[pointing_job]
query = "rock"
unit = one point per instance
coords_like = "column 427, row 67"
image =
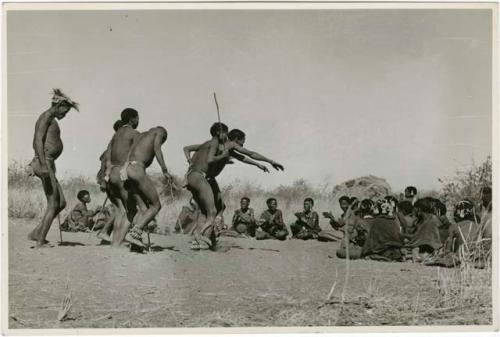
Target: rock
column 368, row 187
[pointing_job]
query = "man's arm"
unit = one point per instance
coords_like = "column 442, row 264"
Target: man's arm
column 315, row 221
column 257, row 156
column 190, row 148
column 40, row 134
column 247, row 160
column 108, row 158
column 159, row 154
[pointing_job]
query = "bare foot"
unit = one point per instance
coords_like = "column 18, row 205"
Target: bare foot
column 104, row 236
column 39, row 245
column 134, row 241
column 33, row 237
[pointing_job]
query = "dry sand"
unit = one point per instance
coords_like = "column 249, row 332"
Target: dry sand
column 244, row 283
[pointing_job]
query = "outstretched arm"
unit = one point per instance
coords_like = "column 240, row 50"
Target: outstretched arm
column 41, row 128
column 257, row 156
column 249, row 161
column 188, row 149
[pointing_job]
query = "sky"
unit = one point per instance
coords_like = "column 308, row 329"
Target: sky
column 331, row 94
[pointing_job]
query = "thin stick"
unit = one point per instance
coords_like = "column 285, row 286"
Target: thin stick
column 101, row 211
column 218, row 114
column 149, row 240
column 60, row 232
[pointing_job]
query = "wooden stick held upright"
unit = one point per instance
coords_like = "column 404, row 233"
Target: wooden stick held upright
column 218, row 114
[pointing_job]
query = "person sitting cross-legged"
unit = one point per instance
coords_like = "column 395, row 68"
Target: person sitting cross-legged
column 271, row 224
column 307, row 225
column 244, row 222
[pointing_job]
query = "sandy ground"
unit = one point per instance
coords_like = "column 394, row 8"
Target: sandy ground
column 244, row 283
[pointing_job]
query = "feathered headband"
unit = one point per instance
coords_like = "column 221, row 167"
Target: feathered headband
column 60, row 97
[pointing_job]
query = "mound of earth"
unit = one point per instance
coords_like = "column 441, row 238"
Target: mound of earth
column 368, row 187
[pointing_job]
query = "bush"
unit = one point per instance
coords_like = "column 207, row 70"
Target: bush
column 467, row 183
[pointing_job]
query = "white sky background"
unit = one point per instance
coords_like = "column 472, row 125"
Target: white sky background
column 331, row 94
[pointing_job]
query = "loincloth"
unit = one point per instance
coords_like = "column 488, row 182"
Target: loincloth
column 123, row 170
column 33, row 168
column 192, row 170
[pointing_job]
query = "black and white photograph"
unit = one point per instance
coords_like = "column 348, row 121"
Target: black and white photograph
column 225, row 166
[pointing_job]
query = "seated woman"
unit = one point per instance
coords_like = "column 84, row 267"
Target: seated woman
column 271, row 224
column 406, row 218
column 357, row 229
column 426, row 238
column 464, row 230
column 384, row 240
column 307, row 225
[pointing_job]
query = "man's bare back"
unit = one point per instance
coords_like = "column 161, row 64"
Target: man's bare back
column 143, row 150
column 120, row 144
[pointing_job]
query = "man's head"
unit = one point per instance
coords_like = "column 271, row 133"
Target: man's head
column 162, row 132
column 344, row 202
column 244, row 203
column 486, row 196
column 61, row 104
column 83, row 196
column 219, row 130
column 118, row 124
column 272, row 204
column 238, row 136
column 410, row 192
column 131, row 117
column 308, row 204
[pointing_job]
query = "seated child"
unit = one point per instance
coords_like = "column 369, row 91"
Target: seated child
column 80, row 219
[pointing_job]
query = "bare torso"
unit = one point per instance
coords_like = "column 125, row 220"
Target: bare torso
column 52, row 145
column 122, row 141
column 200, row 157
column 143, row 148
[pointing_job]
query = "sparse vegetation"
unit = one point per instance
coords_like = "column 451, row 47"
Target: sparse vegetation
column 374, row 293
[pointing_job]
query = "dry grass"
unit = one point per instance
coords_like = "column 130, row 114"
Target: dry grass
column 27, row 200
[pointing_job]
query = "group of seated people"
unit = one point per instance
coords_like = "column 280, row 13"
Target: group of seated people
column 415, row 229
column 389, row 229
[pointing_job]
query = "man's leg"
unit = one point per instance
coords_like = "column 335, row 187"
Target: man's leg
column 219, row 202
column 126, row 210
column 204, row 197
column 147, row 190
column 55, row 204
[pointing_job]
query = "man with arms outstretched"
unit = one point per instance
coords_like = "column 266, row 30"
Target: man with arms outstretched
column 208, row 161
column 48, row 147
column 145, row 148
